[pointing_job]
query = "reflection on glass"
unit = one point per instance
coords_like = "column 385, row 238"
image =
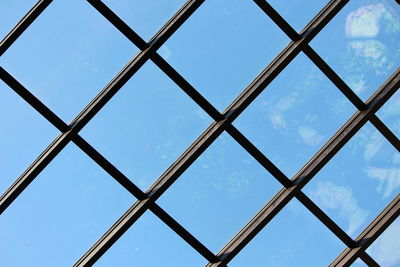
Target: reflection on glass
column 223, row 47
column 390, row 114
column 362, row 44
column 61, row 214
column 11, row 12
column 292, row 238
column 385, row 250
column 145, row 17
column 146, row 126
column 219, row 193
column 290, row 12
column 150, row 243
column 295, row 115
column 67, row 56
column 358, row 183
column 24, row 135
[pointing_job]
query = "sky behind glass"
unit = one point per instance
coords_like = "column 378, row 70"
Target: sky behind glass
column 70, row 53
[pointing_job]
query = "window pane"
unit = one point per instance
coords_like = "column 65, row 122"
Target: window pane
column 219, row 193
column 222, row 47
column 362, row 44
column 67, row 56
column 290, row 11
column 385, row 250
column 146, row 126
column 390, row 114
column 145, row 17
column 295, row 115
column 293, row 238
column 150, row 243
column 11, row 12
column 24, row 135
column 358, row 183
column 61, row 214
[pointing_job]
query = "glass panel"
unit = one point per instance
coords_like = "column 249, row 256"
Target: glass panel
column 356, row 185
column 295, row 115
column 219, row 193
column 67, row 56
column 61, row 214
column 11, row 12
column 362, row 44
column 146, row 17
column 146, row 126
column 292, row 238
column 359, row 263
column 150, row 243
column 290, row 11
column 24, row 135
column 390, row 114
column 223, row 47
column 385, row 250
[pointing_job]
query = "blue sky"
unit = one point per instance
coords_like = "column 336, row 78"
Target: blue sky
column 70, row 52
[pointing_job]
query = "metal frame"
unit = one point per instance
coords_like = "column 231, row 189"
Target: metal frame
column 222, row 122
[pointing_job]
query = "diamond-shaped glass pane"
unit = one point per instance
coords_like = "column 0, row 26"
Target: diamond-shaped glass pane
column 295, row 115
column 222, row 47
column 219, row 193
column 67, row 56
column 146, row 126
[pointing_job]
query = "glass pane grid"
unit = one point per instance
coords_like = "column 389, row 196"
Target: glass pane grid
column 222, row 123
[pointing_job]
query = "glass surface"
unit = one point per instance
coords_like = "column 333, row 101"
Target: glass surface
column 219, row 193
column 67, row 56
column 293, row 238
column 145, row 17
column 24, row 134
column 146, row 126
column 11, row 12
column 390, row 114
column 385, row 250
column 290, row 11
column 222, row 47
column 61, row 214
column 295, row 115
column 150, row 243
column 362, row 44
column 359, row 263
column 358, row 183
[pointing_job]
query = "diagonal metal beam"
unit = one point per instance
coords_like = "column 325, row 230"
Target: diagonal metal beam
column 369, row 235
column 23, row 24
column 311, row 168
column 97, row 103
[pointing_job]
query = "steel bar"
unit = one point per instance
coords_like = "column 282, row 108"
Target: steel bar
column 310, row 169
column 23, row 24
column 385, row 131
column 370, row 234
column 368, row 260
